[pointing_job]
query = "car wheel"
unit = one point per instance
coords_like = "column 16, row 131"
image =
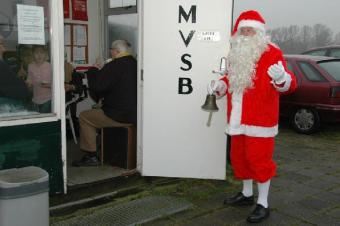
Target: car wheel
column 306, row 121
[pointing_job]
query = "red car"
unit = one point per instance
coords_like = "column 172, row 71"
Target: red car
column 317, row 97
column 331, row 51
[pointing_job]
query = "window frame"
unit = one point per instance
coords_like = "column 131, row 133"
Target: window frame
column 56, row 32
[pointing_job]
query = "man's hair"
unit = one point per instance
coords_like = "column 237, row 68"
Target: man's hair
column 121, row 46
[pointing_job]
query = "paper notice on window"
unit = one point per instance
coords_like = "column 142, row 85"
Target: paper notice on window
column 68, row 53
column 67, row 34
column 79, row 55
column 31, row 25
column 79, row 35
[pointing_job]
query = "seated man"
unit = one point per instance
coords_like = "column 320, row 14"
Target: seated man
column 13, row 91
column 116, row 83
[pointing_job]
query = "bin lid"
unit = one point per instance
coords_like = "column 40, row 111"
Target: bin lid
column 22, row 176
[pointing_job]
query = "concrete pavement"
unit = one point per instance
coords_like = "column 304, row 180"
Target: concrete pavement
column 306, row 190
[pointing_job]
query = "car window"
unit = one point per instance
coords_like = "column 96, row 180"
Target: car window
column 333, row 68
column 310, row 72
column 321, row 52
column 290, row 66
column 335, row 53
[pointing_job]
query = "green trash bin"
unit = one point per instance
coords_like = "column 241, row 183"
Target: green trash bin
column 24, row 197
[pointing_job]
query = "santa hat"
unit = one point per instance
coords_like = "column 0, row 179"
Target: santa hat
column 249, row 18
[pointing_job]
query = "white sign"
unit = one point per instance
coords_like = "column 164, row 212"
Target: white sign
column 31, row 25
column 209, row 36
column 67, row 34
column 79, row 35
column 79, row 55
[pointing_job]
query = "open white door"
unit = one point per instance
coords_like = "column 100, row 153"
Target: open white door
column 181, row 43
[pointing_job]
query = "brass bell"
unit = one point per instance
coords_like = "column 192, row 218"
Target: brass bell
column 210, row 103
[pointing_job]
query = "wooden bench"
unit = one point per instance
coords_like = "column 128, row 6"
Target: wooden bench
column 130, row 146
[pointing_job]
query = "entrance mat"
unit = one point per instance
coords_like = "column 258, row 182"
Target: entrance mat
column 131, row 213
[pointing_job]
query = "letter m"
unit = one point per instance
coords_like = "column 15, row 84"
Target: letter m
column 186, row 16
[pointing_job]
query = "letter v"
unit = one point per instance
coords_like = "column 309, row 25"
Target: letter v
column 188, row 39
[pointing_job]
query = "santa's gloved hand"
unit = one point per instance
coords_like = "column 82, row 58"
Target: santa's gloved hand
column 216, row 86
column 277, row 73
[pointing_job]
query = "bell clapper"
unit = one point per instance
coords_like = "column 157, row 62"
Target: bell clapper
column 209, row 119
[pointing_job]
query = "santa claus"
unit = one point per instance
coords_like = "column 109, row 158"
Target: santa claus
column 255, row 78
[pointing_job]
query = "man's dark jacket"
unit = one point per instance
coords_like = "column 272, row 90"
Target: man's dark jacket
column 116, row 82
column 12, row 88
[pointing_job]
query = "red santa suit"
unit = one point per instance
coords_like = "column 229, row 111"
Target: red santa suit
column 252, row 119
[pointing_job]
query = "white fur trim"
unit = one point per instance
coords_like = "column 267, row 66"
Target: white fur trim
column 251, row 23
column 236, row 109
column 235, row 127
column 287, row 80
column 254, row 131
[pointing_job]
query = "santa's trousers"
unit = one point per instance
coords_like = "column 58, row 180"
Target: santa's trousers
column 251, row 157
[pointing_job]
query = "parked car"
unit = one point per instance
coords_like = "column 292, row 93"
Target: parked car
column 331, row 51
column 317, row 97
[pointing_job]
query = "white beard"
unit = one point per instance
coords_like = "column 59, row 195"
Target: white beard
column 242, row 59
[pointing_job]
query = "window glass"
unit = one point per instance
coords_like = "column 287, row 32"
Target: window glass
column 333, row 68
column 121, row 3
column 310, row 72
column 335, row 53
column 124, row 25
column 25, row 70
column 289, row 66
column 316, row 53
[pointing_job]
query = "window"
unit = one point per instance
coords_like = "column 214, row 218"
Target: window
column 310, row 72
column 290, row 66
column 333, row 68
column 121, row 3
column 335, row 53
column 122, row 21
column 316, row 53
column 26, row 75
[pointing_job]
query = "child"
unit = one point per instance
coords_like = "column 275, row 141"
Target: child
column 40, row 78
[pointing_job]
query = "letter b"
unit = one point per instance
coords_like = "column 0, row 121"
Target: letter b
column 184, row 82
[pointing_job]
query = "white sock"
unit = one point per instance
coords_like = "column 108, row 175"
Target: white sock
column 263, row 193
column 247, row 188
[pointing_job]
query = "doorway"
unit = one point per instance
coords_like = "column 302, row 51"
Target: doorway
column 119, row 23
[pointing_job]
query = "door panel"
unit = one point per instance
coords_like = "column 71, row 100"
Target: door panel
column 181, row 43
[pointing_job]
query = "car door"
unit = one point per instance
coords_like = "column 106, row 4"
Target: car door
column 287, row 102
